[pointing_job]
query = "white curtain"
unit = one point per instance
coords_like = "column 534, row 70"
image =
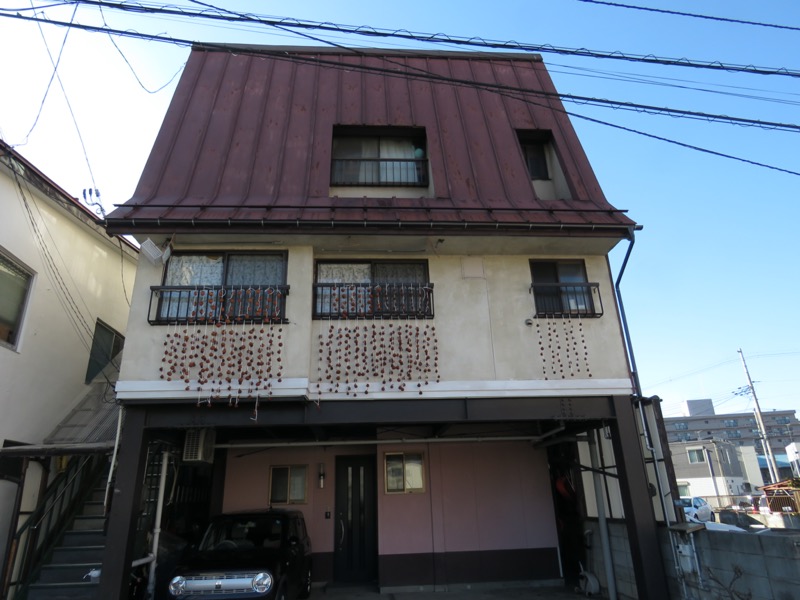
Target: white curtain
column 194, row 270
column 402, row 170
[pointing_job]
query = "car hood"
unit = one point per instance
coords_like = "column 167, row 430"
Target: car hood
column 259, row 559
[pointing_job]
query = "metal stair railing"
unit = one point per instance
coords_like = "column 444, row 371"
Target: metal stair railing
column 35, row 539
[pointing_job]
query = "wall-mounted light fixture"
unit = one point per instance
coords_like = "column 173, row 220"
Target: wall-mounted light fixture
column 321, row 475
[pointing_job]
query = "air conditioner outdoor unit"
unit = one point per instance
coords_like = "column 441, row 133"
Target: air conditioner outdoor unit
column 198, row 446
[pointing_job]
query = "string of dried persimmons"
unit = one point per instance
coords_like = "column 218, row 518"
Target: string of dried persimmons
column 220, row 360
column 377, row 356
column 562, row 348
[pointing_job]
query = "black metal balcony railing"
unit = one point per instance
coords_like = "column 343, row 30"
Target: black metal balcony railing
column 567, row 299
column 373, row 301
column 217, row 304
column 379, row 172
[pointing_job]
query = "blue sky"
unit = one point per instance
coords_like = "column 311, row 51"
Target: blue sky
column 715, row 268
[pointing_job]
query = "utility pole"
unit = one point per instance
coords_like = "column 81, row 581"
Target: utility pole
column 772, row 466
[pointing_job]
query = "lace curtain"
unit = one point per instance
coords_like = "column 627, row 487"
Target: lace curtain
column 244, row 270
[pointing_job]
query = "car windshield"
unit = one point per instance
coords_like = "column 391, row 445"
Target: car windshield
column 685, row 502
column 242, row 532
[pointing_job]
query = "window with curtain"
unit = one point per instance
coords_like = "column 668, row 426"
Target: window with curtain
column 379, row 157
column 15, row 282
column 404, row 472
column 372, row 289
column 223, row 286
column 288, row 485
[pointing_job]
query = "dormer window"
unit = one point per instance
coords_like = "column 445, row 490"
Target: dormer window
column 542, row 164
column 380, row 157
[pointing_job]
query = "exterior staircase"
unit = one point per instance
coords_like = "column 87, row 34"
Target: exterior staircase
column 66, row 574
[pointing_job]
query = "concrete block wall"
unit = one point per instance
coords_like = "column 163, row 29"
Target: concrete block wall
column 757, row 566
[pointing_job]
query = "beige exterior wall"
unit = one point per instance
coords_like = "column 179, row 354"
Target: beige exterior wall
column 488, row 339
column 42, row 377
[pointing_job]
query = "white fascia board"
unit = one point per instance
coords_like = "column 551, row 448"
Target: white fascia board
column 536, row 388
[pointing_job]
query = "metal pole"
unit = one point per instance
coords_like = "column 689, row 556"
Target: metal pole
column 611, row 581
column 151, row 583
column 772, row 466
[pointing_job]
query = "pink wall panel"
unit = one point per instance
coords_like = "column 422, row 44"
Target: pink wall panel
column 487, row 496
column 247, row 485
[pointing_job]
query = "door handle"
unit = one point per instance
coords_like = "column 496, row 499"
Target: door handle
column 341, row 524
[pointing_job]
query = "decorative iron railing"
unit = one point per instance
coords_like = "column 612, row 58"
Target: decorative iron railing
column 373, row 301
column 379, row 172
column 567, row 299
column 217, row 304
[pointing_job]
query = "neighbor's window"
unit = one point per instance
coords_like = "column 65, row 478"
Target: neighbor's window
column 560, row 289
column 681, row 425
column 535, row 148
column 379, row 157
column 288, row 485
column 696, row 455
column 404, row 473
column 15, row 283
column 106, row 344
column 222, row 287
column 373, row 289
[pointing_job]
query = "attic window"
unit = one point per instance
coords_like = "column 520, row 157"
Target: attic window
column 541, row 161
column 387, row 156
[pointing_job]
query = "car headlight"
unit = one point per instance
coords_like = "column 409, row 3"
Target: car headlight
column 262, row 582
column 177, row 586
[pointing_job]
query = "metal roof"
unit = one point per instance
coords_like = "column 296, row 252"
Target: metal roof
column 246, row 143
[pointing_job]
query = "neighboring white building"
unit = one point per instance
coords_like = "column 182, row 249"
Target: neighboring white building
column 64, row 295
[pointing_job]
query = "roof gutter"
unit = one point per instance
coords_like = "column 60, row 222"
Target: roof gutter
column 124, row 226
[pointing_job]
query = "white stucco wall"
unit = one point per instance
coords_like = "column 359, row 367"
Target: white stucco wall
column 485, row 346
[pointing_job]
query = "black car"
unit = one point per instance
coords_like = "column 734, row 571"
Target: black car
column 264, row 555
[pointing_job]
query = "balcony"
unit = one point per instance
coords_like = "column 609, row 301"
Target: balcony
column 379, row 172
column 373, row 301
column 567, row 299
column 217, row 304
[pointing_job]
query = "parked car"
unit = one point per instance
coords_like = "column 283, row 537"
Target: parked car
column 264, row 555
column 696, row 509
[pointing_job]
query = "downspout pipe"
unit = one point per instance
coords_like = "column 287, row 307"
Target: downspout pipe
column 656, row 453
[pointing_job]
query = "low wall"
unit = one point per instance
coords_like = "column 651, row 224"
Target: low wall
column 714, row 564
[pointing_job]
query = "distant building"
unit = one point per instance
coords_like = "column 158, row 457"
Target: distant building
column 701, row 430
column 702, row 423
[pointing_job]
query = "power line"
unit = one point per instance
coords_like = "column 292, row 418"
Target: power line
column 496, row 88
column 692, row 15
column 585, row 100
column 441, row 38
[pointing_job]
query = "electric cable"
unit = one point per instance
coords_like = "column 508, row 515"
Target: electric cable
column 440, row 38
column 693, row 15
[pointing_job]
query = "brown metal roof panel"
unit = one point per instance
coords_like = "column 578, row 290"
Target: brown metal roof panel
column 221, row 113
column 459, row 171
column 236, row 182
column 295, row 151
column 150, row 181
column 270, row 160
column 478, row 124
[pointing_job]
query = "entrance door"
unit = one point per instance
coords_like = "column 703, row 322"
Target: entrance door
column 356, row 549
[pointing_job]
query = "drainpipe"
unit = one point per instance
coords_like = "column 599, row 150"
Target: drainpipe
column 611, row 581
column 656, row 452
column 151, row 582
